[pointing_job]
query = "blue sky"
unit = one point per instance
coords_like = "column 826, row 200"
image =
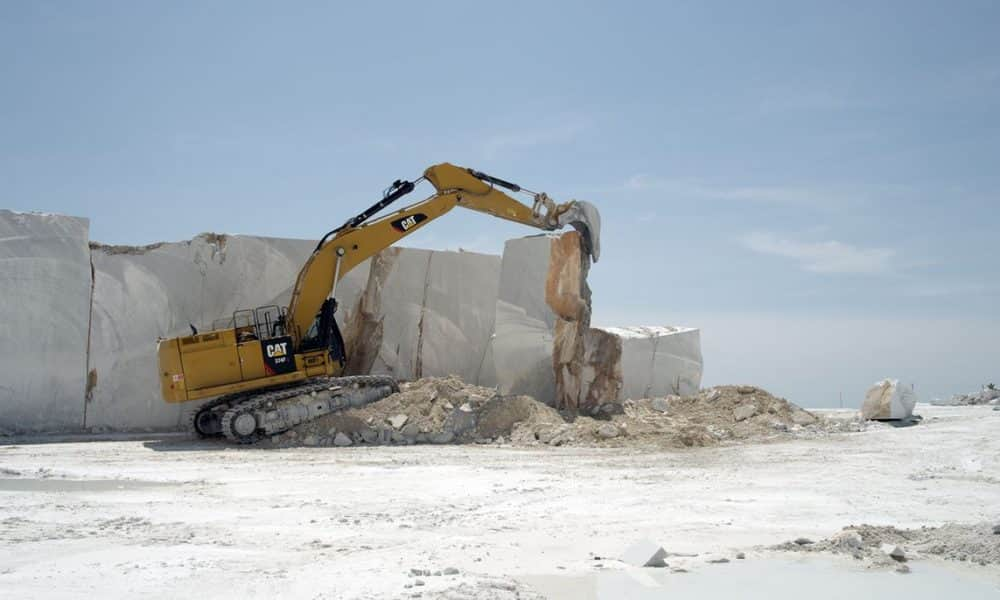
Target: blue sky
column 815, row 185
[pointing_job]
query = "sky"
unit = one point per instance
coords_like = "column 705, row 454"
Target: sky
column 813, row 185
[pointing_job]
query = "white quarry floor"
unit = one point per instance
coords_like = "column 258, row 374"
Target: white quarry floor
column 182, row 519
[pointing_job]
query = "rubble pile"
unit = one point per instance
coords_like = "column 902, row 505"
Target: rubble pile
column 885, row 546
column 444, row 410
column 990, row 394
column 437, row 410
column 713, row 416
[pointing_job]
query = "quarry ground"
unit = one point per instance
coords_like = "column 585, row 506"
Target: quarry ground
column 171, row 518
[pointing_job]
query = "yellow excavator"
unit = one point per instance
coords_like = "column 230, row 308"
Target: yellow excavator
column 271, row 368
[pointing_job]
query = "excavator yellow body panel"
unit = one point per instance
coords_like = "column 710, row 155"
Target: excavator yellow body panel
column 213, row 364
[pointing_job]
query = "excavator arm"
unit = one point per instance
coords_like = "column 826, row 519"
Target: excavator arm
column 361, row 237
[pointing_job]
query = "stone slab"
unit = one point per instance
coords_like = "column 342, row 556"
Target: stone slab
column 44, row 319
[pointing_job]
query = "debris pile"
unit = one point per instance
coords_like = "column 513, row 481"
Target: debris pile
column 990, row 394
column 444, row 410
column 436, row 410
column 885, row 546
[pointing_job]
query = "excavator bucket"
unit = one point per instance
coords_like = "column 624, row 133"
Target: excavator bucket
column 583, row 216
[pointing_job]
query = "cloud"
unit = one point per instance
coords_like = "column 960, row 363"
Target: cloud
column 940, row 289
column 768, row 194
column 822, row 257
column 511, row 140
column 817, row 196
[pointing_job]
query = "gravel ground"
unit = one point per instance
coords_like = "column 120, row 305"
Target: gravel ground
column 168, row 518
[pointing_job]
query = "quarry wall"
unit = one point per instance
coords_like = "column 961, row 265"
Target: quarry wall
column 85, row 318
column 45, row 283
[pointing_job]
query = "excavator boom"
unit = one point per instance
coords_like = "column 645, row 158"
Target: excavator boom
column 359, row 238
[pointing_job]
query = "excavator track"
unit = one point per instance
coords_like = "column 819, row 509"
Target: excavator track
column 249, row 417
column 206, row 420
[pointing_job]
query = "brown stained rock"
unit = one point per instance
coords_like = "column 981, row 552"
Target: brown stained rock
column 566, row 290
column 586, row 361
column 600, row 374
column 363, row 332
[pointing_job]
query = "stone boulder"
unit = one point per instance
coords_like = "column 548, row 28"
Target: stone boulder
column 888, row 400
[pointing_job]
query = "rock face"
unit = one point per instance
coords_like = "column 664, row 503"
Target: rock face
column 887, row 400
column 424, row 313
column 44, row 319
column 659, row 361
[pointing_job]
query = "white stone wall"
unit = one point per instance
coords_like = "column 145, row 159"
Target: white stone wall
column 411, row 313
column 434, row 313
column 524, row 323
column 44, row 317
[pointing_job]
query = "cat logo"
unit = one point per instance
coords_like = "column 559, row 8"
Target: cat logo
column 405, row 224
column 278, row 357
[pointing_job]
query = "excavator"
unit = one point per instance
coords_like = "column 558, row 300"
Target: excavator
column 268, row 369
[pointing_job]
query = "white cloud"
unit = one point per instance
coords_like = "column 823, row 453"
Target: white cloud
column 501, row 143
column 797, row 195
column 822, row 257
column 941, row 289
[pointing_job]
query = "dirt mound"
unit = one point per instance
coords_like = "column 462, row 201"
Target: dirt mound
column 883, row 546
column 445, row 410
column 713, row 416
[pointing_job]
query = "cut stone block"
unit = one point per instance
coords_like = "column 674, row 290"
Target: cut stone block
column 45, row 280
column 887, row 400
column 425, row 313
column 659, row 361
column 645, row 553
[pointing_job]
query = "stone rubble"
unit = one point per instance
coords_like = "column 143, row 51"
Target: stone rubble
column 886, row 546
column 990, row 394
column 444, row 410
